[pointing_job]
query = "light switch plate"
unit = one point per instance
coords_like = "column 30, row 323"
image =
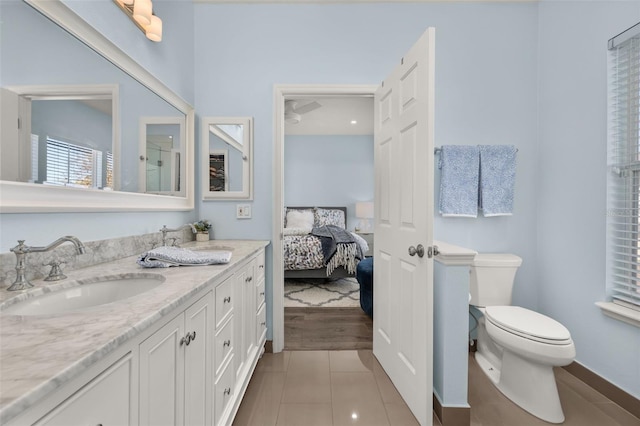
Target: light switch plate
column 243, row 211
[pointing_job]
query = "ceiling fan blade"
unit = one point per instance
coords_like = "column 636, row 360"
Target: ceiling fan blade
column 313, row 105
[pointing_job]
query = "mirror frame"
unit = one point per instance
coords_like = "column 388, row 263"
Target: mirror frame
column 247, row 167
column 20, row 197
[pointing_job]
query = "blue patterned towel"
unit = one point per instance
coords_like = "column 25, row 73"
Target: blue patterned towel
column 459, row 166
column 497, row 179
column 164, row 257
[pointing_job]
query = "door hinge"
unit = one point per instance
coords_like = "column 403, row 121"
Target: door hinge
column 432, row 251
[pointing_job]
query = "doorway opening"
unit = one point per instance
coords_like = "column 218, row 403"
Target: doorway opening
column 319, row 167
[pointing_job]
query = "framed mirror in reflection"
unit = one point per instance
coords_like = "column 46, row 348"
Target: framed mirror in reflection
column 72, row 120
column 227, row 144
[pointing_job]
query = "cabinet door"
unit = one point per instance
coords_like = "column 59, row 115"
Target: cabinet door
column 240, row 307
column 162, row 376
column 250, row 311
column 104, row 400
column 198, row 362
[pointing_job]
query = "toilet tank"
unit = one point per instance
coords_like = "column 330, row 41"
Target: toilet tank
column 491, row 278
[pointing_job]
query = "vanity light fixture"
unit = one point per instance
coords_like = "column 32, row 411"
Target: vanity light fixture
column 354, row 122
column 141, row 13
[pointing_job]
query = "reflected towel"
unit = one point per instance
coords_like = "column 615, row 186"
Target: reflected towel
column 459, row 166
column 164, row 257
column 497, row 179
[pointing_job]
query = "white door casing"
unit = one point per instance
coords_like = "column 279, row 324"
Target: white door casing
column 403, row 283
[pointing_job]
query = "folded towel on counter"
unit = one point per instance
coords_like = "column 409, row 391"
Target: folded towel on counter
column 459, row 166
column 497, row 179
column 164, row 257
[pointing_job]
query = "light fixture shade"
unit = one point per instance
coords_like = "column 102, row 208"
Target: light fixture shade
column 142, row 12
column 154, row 30
column 364, row 210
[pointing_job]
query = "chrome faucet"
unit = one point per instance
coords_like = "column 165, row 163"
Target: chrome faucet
column 21, row 250
column 164, row 231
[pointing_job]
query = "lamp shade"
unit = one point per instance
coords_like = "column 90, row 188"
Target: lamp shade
column 154, row 30
column 142, row 12
column 364, row 210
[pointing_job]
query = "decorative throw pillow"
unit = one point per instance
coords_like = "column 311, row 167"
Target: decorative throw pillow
column 329, row 217
column 299, row 218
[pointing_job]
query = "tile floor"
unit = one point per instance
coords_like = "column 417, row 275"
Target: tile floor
column 323, row 388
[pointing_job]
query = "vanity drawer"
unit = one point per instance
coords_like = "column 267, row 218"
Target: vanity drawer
column 260, row 266
column 223, row 345
column 260, row 293
column 224, row 393
column 224, row 300
column 261, row 325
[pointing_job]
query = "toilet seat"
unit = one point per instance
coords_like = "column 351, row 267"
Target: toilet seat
column 528, row 324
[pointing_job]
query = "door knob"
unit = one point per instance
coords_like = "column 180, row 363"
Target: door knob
column 416, row 250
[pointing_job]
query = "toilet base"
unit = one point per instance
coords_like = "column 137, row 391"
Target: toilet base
column 531, row 386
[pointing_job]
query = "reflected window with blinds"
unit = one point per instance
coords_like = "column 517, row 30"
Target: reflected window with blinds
column 71, row 164
column 623, row 191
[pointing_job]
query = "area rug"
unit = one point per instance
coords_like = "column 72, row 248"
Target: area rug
column 343, row 292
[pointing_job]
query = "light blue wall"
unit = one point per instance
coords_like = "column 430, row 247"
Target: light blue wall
column 571, row 176
column 166, row 60
column 328, row 171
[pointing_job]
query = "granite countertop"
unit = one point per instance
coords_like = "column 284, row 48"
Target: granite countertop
column 41, row 353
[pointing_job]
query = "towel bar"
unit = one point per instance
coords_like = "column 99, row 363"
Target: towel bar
column 437, row 150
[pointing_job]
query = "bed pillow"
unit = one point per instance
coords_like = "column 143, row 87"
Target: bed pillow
column 329, row 217
column 299, row 218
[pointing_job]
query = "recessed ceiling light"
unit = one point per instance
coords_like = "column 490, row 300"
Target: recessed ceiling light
column 354, row 122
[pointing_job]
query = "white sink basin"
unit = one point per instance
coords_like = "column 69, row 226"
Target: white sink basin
column 96, row 292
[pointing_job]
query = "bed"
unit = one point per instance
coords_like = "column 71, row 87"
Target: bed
column 304, row 254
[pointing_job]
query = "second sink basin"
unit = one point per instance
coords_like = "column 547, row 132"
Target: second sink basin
column 97, row 292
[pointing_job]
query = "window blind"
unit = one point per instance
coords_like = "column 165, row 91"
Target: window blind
column 69, row 164
column 109, row 176
column 624, row 165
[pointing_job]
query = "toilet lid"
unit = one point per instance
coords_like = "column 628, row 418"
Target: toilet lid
column 528, row 324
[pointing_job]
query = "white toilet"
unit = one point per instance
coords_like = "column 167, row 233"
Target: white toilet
column 517, row 348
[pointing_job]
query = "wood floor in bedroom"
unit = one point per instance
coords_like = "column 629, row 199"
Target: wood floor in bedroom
column 308, row 329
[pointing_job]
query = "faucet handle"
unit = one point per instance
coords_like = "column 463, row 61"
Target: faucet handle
column 56, row 272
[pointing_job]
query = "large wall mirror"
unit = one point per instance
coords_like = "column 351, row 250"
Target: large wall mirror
column 227, row 158
column 80, row 118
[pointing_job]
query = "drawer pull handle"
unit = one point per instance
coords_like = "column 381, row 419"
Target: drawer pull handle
column 227, row 391
column 227, row 343
column 188, row 338
column 263, row 323
column 261, row 267
column 227, row 299
column 262, row 293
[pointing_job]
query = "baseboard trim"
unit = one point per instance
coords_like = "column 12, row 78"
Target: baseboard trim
column 451, row 416
column 608, row 389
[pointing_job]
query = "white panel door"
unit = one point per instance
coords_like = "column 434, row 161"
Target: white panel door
column 403, row 274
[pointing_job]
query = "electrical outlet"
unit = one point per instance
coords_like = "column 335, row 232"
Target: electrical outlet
column 243, row 211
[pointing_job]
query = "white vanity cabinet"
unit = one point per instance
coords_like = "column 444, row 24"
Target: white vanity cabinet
column 105, row 400
column 175, row 369
column 191, row 367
